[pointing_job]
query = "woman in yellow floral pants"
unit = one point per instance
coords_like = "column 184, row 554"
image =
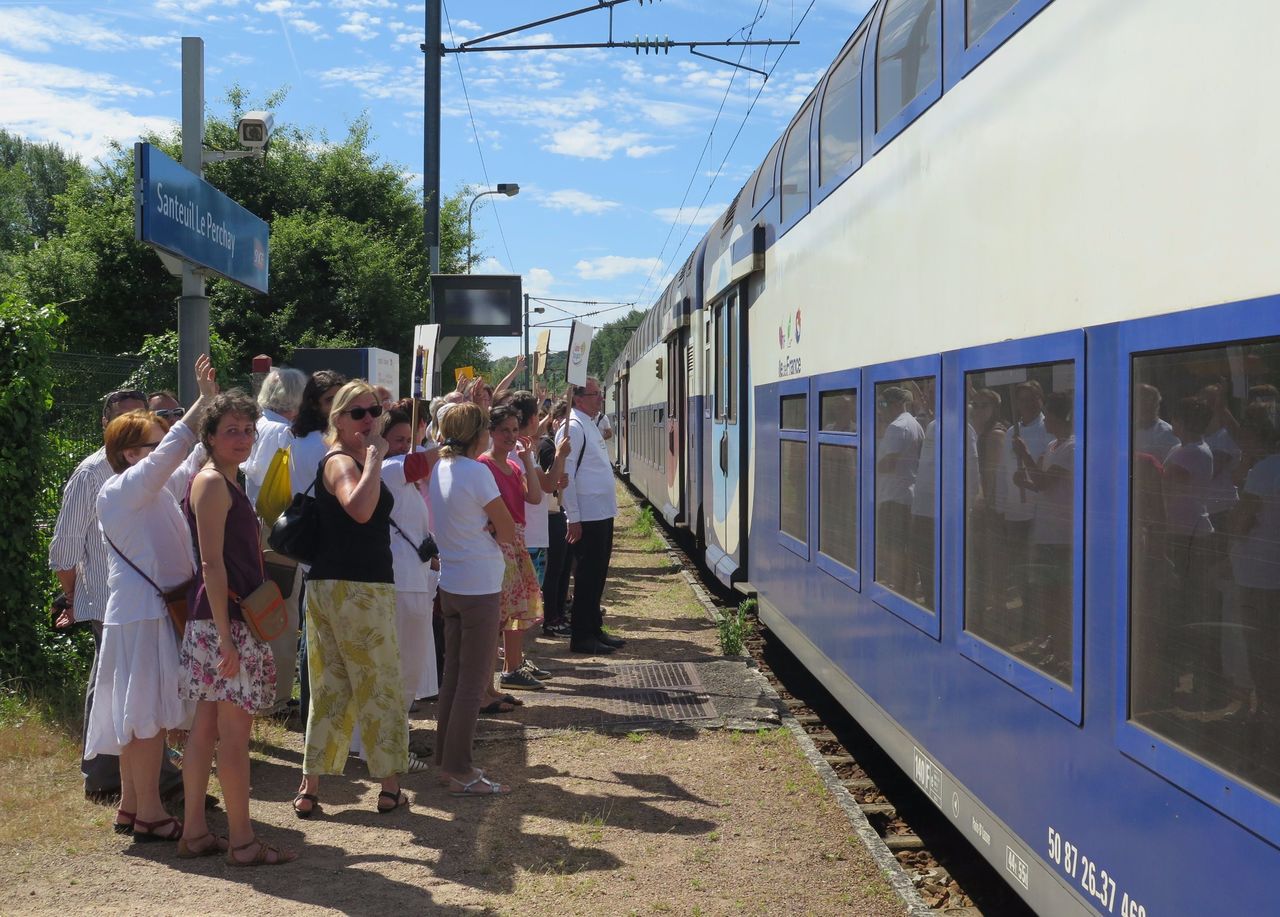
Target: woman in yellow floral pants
column 352, row 654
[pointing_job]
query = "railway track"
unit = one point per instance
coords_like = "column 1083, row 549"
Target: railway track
column 949, row 876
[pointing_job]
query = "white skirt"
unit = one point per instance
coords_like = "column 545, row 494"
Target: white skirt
column 417, row 645
column 135, row 695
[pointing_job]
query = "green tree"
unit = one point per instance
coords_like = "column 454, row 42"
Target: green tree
column 610, row 340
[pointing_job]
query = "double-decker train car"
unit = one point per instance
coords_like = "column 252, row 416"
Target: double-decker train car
column 976, row 387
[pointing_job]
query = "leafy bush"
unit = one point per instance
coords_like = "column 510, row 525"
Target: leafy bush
column 30, row 652
column 733, row 628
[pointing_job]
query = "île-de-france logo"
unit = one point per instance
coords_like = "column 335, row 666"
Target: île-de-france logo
column 579, row 351
column 789, row 331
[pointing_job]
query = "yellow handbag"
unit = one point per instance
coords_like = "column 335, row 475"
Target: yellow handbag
column 277, row 488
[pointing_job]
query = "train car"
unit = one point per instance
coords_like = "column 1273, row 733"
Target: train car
column 1026, row 248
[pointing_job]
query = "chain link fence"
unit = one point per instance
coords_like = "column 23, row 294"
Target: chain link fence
column 74, row 429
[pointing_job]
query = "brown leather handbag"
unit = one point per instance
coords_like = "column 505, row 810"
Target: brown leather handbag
column 263, row 609
column 175, row 599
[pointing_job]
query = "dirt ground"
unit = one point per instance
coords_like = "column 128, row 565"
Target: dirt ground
column 683, row 821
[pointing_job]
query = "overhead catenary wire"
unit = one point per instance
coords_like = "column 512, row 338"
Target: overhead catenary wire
column 484, row 169
column 680, row 245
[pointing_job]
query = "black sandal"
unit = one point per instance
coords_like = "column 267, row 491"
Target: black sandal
column 149, row 836
column 398, row 797
column 306, row 797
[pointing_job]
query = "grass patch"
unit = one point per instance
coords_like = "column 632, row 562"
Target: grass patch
column 733, row 629
column 645, row 524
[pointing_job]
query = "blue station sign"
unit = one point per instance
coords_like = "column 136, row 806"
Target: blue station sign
column 181, row 213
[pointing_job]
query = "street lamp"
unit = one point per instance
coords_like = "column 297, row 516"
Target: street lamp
column 510, row 189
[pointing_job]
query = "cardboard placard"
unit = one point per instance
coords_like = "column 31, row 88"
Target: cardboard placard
column 426, row 341
column 579, row 352
column 540, row 353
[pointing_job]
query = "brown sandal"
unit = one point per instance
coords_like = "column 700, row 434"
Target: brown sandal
column 187, row 852
column 398, row 798
column 148, row 834
column 261, row 857
column 311, row 799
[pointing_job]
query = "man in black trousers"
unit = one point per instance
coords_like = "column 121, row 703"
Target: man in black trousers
column 590, row 504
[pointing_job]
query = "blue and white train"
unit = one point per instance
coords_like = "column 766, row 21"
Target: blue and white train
column 1031, row 249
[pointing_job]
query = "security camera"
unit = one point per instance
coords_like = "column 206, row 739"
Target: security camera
column 254, row 129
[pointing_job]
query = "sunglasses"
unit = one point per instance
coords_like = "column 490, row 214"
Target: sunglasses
column 170, row 413
column 126, row 394
column 358, row 413
column 147, row 445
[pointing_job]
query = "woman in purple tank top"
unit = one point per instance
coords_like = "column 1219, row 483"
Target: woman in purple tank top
column 225, row 669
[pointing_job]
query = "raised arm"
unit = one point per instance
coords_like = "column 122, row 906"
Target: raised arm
column 357, row 490
column 509, row 377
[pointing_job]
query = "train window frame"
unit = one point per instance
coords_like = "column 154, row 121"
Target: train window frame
column 818, row 188
column 771, row 158
column 801, row 129
column 1060, row 347
column 874, row 140
column 786, row 388
column 1193, row 330
column 733, row 356
column 930, row 622
column 820, row 384
column 959, row 58
column 718, row 355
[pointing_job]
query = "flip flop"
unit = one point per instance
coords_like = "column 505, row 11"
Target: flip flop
column 486, row 786
column 497, row 707
column 513, row 700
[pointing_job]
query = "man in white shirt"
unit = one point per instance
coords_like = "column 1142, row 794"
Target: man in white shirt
column 78, row 557
column 897, row 460
column 603, row 424
column 590, row 503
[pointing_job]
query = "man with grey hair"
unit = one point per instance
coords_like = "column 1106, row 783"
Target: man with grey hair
column 278, row 398
column 590, row 503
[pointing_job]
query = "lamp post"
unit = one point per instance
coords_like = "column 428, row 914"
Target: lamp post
column 510, row 189
column 528, row 367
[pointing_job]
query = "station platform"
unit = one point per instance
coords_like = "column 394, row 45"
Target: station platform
column 658, row 779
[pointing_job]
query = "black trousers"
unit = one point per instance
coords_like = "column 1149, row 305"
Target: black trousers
column 555, row 581
column 592, row 553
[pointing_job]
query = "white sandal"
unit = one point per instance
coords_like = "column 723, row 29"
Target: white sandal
column 490, row 788
column 418, row 765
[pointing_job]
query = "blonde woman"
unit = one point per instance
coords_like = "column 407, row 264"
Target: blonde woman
column 352, row 653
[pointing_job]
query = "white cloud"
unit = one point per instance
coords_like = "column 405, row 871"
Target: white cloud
column 609, row 267
column 538, row 281
column 378, row 81
column 76, row 109
column 590, row 140
column 362, row 4
column 360, row 25
column 576, row 202
column 691, row 216
column 42, row 29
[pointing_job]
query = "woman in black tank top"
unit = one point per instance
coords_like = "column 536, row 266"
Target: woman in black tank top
column 351, row 608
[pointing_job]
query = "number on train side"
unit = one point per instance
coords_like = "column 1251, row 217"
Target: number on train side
column 1131, row 908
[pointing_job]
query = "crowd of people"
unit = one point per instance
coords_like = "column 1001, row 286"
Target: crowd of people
column 445, row 534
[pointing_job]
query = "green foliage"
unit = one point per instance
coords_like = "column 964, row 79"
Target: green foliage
column 608, row 342
column 645, row 522
column 469, row 352
column 159, row 369
column 733, row 628
column 29, row 650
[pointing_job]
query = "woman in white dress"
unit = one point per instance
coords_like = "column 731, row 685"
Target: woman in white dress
column 149, row 552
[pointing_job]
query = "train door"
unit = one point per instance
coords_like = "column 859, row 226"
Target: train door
column 623, row 429
column 728, row 423
column 673, row 370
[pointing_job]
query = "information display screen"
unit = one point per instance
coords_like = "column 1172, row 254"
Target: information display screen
column 477, row 305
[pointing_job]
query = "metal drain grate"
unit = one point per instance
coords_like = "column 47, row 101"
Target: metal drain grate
column 649, row 692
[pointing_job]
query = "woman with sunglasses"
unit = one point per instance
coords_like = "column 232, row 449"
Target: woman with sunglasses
column 352, row 652
column 148, row 552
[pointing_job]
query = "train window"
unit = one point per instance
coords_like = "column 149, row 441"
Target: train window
column 763, row 192
column 731, row 361
column 840, row 122
column 795, row 168
column 906, row 461
column 793, row 508
column 838, row 502
column 838, row 411
column 1204, row 613
column 719, row 361
column 981, row 15
column 907, row 56
column 1019, row 509
column 795, row 412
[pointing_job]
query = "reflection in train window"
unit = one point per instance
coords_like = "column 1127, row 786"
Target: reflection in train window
column 795, row 168
column 906, row 461
column 793, row 509
column 907, row 58
column 795, row 412
column 1204, row 647
column 838, row 502
column 981, row 15
column 838, row 411
column 840, row 124
column 1019, row 498
column 763, row 191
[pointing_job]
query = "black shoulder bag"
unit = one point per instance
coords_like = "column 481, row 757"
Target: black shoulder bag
column 296, row 534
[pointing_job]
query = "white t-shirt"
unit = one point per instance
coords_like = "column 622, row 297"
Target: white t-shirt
column 922, row 498
column 902, row 438
column 1255, row 555
column 1052, row 524
column 471, row 561
column 1184, row 503
column 1157, row 439
column 1010, row 500
column 305, row 453
column 603, row 423
column 1222, row 494
column 536, row 528
column 410, row 513
column 273, row 434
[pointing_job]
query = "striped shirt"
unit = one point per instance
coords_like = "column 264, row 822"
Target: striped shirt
column 77, row 541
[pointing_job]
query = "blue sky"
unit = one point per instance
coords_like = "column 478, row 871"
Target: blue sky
column 604, row 143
